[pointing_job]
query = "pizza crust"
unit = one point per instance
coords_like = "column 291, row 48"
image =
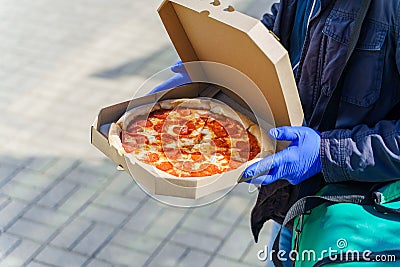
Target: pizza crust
column 131, row 114
column 247, row 123
column 114, row 138
column 195, row 103
column 160, row 173
column 149, row 167
column 265, row 142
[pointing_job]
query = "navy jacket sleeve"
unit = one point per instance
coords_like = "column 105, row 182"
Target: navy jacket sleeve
column 268, row 19
column 362, row 154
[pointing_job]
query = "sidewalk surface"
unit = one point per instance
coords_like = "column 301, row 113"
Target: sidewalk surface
column 62, row 203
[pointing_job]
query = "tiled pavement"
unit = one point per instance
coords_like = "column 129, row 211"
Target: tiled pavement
column 62, row 203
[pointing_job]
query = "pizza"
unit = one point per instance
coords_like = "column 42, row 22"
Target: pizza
column 188, row 137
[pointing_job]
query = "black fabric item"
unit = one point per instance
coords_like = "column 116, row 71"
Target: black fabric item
column 394, row 113
column 272, row 203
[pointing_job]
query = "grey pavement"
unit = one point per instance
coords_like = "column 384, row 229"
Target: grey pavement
column 63, row 203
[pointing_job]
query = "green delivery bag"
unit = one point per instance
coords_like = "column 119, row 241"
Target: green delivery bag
column 345, row 225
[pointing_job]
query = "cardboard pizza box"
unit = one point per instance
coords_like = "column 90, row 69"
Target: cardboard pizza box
column 251, row 73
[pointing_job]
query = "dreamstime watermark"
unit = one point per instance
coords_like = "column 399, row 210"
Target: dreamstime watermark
column 330, row 254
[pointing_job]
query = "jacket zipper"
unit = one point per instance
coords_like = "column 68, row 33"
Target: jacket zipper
column 312, row 11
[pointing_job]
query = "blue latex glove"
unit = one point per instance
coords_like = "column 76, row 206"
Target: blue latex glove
column 298, row 162
column 180, row 78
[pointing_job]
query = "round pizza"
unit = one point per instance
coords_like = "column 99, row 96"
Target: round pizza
column 188, row 137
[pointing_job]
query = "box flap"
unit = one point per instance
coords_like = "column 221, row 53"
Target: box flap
column 201, row 31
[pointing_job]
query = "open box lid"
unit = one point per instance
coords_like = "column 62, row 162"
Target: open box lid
column 202, row 31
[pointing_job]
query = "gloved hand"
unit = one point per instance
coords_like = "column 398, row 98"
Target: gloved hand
column 181, row 77
column 298, row 162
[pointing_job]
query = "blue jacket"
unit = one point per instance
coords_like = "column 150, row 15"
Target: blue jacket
column 364, row 146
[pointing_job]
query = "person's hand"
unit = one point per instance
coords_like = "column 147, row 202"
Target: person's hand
column 298, row 162
column 180, row 77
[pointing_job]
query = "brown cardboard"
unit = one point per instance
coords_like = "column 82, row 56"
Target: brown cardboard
column 201, row 31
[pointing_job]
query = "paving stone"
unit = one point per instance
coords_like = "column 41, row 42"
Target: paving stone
column 38, row 264
column 31, row 230
column 93, row 239
column 60, row 166
column 165, row 222
column 195, row 259
column 102, row 167
column 116, row 202
column 46, row 216
column 40, row 163
column 99, row 263
column 60, row 257
column 136, row 241
column 136, row 192
column 219, row 261
column 169, row 256
column 233, row 208
column 107, row 216
column 146, row 216
column 72, row 233
column 264, row 237
column 20, row 254
column 245, row 221
column 7, row 242
column 33, row 179
column 20, row 191
column 86, row 178
column 6, row 171
column 57, row 194
column 77, row 199
column 4, row 201
column 121, row 183
column 8, row 161
column 119, row 255
column 196, row 240
column 251, row 256
column 209, row 210
column 233, row 249
column 10, row 212
column 214, row 228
